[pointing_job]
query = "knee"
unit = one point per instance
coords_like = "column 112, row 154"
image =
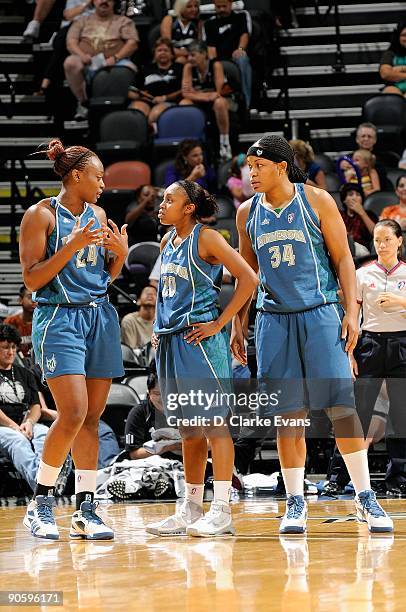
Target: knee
column 73, row 419
column 220, row 104
column 73, row 63
column 185, row 102
column 91, row 422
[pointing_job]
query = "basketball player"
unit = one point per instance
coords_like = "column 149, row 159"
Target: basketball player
column 68, row 256
column 293, row 234
column 193, row 350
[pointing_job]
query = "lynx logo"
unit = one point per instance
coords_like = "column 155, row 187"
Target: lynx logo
column 291, row 216
column 259, row 152
column 51, row 364
column 401, row 285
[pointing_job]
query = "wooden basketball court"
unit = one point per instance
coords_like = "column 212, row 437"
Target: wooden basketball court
column 337, row 567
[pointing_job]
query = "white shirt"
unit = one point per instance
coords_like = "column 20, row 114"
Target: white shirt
column 373, row 279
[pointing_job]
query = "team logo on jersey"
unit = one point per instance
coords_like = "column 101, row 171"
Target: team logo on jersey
column 291, row 216
column 224, row 28
column 265, row 222
column 259, row 152
column 51, row 364
column 67, row 220
column 401, row 285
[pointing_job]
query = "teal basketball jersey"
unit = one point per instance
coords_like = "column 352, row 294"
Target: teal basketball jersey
column 84, row 278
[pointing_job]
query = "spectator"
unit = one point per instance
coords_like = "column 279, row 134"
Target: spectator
column 393, row 63
column 21, row 436
column 41, row 12
column 202, row 84
column 184, row 28
column 304, row 159
column 22, row 321
column 227, row 35
column 366, row 137
column 402, row 162
column 136, row 327
column 397, row 212
column 162, row 83
column 359, row 170
column 74, row 9
column 142, row 216
column 235, row 183
column 144, row 419
column 100, row 39
column 189, row 165
column 359, row 222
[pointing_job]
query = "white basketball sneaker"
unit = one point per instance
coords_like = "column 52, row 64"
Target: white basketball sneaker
column 186, row 514
column 87, row 525
column 295, row 517
column 371, row 512
column 217, row 521
column 39, row 518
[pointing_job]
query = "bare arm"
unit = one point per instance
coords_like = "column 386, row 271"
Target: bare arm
column 127, row 50
column 376, row 183
column 211, row 52
column 392, row 73
column 319, row 180
column 218, row 77
column 135, row 212
column 70, row 13
column 335, row 237
column 189, row 92
column 37, row 224
column 166, row 27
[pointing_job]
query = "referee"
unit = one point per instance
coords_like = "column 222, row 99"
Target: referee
column 381, row 350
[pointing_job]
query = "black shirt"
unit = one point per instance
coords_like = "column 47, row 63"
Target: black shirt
column 140, row 421
column 161, row 82
column 207, row 83
column 16, row 397
column 184, row 36
column 224, row 33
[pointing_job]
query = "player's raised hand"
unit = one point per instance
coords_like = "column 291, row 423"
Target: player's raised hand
column 81, row 237
column 116, row 240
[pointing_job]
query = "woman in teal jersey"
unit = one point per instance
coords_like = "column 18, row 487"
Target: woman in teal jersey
column 193, row 353
column 69, row 254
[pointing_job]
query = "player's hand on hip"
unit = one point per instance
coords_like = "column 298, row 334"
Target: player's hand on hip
column 349, row 332
column 237, row 344
column 202, row 330
column 81, row 237
column 116, row 240
column 154, row 341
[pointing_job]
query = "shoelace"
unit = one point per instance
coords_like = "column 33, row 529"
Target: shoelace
column 370, row 504
column 45, row 513
column 295, row 506
column 90, row 514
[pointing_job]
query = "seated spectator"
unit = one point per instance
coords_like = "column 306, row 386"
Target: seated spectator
column 393, row 63
column 359, row 222
column 366, row 137
column 182, row 29
column 361, row 171
column 54, row 74
column 202, row 84
column 94, row 41
column 142, row 216
column 227, row 36
column 41, row 12
column 397, row 212
column 402, row 162
column 189, row 165
column 304, row 159
column 235, row 182
column 136, row 327
column 146, row 418
column 21, row 436
column 22, row 321
column 161, row 83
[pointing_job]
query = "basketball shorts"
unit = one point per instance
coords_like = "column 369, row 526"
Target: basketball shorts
column 78, row 340
column 301, row 358
column 195, row 381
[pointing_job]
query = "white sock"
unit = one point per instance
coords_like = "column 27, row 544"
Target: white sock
column 85, row 480
column 47, row 474
column 294, row 480
column 358, row 469
column 224, row 139
column 222, row 490
column 194, row 493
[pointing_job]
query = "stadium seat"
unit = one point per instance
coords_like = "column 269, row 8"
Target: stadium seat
column 232, row 75
column 226, row 208
column 223, row 174
column 120, row 400
column 122, row 133
column 111, row 84
column 154, row 33
column 325, row 162
column 332, row 182
column 141, row 257
column 393, row 175
column 228, row 230
column 127, row 175
column 388, row 113
column 337, row 199
column 128, row 355
column 160, row 171
column 377, row 201
column 389, row 159
column 179, row 122
column 138, row 384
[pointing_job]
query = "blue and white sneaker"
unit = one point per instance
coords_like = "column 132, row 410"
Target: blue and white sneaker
column 87, row 525
column 371, row 512
column 39, row 518
column 295, row 517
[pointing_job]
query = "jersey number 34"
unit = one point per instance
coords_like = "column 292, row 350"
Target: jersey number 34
column 286, row 255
